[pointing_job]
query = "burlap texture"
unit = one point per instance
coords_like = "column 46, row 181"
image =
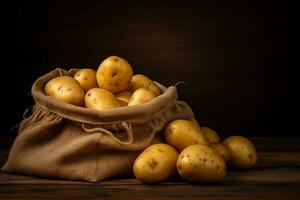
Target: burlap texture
column 63, row 141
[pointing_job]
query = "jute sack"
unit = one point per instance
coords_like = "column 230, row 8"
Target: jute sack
column 63, row 141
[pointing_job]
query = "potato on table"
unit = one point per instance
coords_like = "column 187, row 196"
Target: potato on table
column 114, row 74
column 200, row 164
column 221, row 150
column 156, row 163
column 65, row 89
column 210, row 135
column 243, row 152
column 140, row 81
column 183, row 133
column 193, row 119
column 86, row 78
column 100, row 99
column 140, row 96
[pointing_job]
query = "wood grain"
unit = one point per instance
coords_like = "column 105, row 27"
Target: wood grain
column 276, row 176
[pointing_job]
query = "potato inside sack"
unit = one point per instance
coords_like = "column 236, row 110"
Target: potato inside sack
column 140, row 96
column 243, row 152
column 114, row 74
column 156, row 163
column 100, row 99
column 183, row 133
column 65, row 89
column 86, row 78
column 200, row 164
column 123, row 97
column 210, row 135
column 140, row 81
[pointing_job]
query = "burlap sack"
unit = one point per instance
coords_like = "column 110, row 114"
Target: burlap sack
column 63, row 141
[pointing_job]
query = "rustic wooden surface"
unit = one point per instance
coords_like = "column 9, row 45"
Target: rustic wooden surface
column 277, row 176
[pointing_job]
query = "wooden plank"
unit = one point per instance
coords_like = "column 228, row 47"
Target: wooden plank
column 215, row 191
column 280, row 175
column 276, row 176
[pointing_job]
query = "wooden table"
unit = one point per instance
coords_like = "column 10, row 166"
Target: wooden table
column 277, row 176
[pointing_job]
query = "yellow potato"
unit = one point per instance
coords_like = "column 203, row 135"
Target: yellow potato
column 140, row 81
column 156, row 163
column 86, row 78
column 210, row 135
column 123, row 97
column 221, row 150
column 65, row 89
column 114, row 74
column 193, row 119
column 100, row 99
column 243, row 152
column 140, row 96
column 183, row 133
column 200, row 164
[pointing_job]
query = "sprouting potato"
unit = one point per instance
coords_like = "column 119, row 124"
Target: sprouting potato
column 243, row 152
column 221, row 150
column 156, row 163
column 86, row 78
column 140, row 96
column 183, row 133
column 100, row 99
column 114, row 74
column 65, row 89
column 140, row 81
column 200, row 164
column 210, row 135
column 123, row 97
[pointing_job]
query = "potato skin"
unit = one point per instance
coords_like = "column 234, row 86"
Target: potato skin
column 183, row 133
column 200, row 164
column 86, row 78
column 156, row 163
column 193, row 119
column 140, row 96
column 243, row 152
column 65, row 89
column 100, row 99
column 141, row 81
column 210, row 135
column 114, row 74
column 123, row 97
column 221, row 150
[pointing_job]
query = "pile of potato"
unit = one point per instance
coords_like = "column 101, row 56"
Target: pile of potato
column 113, row 85
column 194, row 152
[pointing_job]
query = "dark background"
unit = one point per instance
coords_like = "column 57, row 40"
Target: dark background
column 233, row 56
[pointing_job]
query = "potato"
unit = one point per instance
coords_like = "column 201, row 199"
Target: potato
column 210, row 135
column 123, row 97
column 193, row 119
column 156, row 163
column 140, row 96
column 200, row 164
column 140, row 81
column 86, row 78
column 243, row 153
column 183, row 133
column 114, row 74
column 65, row 89
column 221, row 150
column 100, row 99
